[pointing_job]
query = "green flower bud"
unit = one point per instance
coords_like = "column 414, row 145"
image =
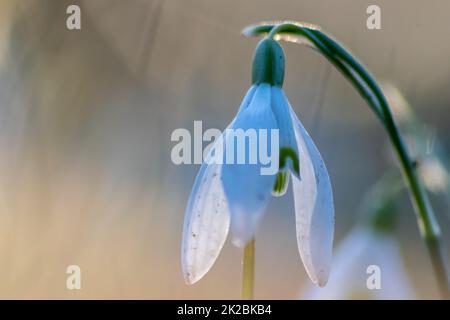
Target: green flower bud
column 268, row 63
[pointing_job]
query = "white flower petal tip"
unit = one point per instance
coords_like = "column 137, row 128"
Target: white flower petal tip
column 244, row 223
column 241, row 238
column 322, row 281
column 191, row 279
column 206, row 224
column 237, row 242
column 319, row 277
column 314, row 208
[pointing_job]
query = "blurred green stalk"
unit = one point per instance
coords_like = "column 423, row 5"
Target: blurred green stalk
column 248, row 272
column 366, row 85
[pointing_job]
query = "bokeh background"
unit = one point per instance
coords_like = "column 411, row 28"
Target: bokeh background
column 86, row 119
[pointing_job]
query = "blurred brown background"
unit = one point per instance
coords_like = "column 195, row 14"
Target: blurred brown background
column 86, row 118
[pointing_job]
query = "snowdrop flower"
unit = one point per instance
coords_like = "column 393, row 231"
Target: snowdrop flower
column 371, row 243
column 362, row 248
column 235, row 196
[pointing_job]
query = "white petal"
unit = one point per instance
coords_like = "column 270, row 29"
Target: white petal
column 207, row 217
column 314, row 209
column 348, row 274
column 247, row 190
column 206, row 224
column 282, row 111
column 247, row 99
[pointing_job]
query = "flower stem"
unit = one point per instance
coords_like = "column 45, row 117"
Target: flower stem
column 366, row 85
column 428, row 225
column 248, row 271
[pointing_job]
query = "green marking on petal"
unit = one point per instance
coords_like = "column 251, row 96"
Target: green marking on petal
column 281, row 184
column 285, row 153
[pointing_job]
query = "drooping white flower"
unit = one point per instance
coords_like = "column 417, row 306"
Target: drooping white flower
column 362, row 248
column 237, row 195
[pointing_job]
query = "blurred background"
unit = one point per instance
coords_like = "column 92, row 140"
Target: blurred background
column 86, row 118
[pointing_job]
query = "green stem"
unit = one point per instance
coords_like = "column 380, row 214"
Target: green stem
column 366, row 85
column 428, row 225
column 248, row 272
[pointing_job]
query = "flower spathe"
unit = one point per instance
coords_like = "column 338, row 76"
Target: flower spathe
column 237, row 195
